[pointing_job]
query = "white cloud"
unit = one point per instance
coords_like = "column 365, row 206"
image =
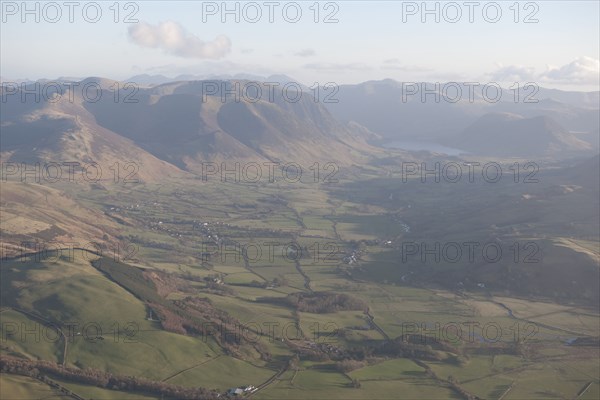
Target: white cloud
column 513, row 73
column 583, row 70
column 174, row 39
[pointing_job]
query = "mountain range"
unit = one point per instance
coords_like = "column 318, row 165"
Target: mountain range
column 450, row 116
column 173, row 128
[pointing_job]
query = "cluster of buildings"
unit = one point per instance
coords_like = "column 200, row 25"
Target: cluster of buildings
column 241, row 390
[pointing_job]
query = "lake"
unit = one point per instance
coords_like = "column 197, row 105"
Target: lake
column 417, row 145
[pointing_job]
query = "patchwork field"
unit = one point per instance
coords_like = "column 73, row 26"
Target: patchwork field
column 302, row 293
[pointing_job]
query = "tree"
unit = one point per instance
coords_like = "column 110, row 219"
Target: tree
column 294, row 361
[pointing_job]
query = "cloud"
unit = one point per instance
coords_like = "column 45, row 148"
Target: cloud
column 583, row 70
column 513, row 73
column 337, row 67
column 174, row 39
column 305, row 53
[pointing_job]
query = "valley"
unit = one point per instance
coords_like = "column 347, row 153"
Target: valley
column 322, row 200
column 202, row 278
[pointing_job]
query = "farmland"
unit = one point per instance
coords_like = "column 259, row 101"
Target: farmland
column 241, row 250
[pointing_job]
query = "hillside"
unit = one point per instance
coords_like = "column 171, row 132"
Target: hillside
column 59, row 129
column 510, row 135
column 204, row 123
column 176, row 126
column 46, row 215
column 403, row 111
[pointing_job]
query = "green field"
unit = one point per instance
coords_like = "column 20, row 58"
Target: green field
column 114, row 311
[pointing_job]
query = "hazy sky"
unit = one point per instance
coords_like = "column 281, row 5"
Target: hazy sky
column 370, row 40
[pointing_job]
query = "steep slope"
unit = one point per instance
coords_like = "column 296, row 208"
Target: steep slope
column 46, row 215
column 510, row 135
column 187, row 123
column 58, row 129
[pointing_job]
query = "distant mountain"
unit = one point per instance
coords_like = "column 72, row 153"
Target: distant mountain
column 58, row 128
column 173, row 127
column 388, row 108
column 148, row 80
column 578, row 99
column 574, row 118
column 155, row 80
column 176, row 126
column 385, row 108
column 186, row 123
column 511, row 135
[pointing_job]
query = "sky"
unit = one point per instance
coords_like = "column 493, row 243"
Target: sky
column 552, row 43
